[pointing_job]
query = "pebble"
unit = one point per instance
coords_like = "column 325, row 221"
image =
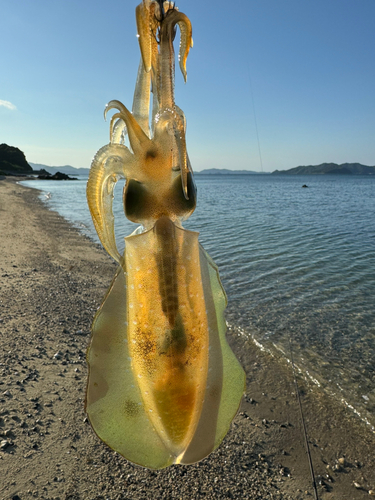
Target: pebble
column 4, row 444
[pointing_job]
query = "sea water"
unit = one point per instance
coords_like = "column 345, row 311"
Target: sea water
column 298, row 264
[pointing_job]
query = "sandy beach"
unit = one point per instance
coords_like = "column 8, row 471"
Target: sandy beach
column 52, row 281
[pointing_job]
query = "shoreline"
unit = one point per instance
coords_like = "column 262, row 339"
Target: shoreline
column 53, row 280
column 357, row 405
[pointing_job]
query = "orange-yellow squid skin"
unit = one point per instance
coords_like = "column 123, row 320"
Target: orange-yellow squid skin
column 163, row 384
column 163, row 390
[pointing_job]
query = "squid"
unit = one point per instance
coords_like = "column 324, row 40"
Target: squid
column 163, row 384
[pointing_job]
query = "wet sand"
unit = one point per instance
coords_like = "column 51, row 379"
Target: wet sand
column 52, row 282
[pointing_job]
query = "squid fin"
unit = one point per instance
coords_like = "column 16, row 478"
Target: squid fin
column 113, row 400
column 226, row 378
column 159, row 394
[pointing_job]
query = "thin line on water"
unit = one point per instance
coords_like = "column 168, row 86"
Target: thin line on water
column 255, row 121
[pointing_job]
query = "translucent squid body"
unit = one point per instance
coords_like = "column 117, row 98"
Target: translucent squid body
column 163, row 383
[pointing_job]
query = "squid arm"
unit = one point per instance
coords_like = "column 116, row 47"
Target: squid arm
column 168, row 111
column 146, row 31
column 174, row 124
column 172, row 18
column 117, row 129
column 141, row 100
column 106, row 169
column 186, row 43
column 137, row 137
column 111, row 163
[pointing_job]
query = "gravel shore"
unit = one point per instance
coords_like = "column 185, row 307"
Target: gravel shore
column 52, row 282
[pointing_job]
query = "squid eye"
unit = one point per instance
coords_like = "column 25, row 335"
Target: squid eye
column 135, row 200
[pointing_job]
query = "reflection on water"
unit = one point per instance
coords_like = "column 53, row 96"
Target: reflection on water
column 293, row 261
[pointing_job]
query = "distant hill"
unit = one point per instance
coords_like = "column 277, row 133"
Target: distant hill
column 66, row 169
column 329, row 168
column 226, row 171
column 13, row 161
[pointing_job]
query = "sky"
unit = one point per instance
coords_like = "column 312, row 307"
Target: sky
column 271, row 84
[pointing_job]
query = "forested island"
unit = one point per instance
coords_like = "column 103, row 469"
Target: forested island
column 329, row 168
column 13, row 161
column 226, row 171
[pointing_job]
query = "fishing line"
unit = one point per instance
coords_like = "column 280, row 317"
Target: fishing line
column 302, row 417
column 307, row 446
column 303, row 421
column 255, row 120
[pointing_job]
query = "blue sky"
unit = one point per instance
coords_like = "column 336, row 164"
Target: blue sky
column 305, row 67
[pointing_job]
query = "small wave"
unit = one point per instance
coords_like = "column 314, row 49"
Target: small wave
column 303, row 372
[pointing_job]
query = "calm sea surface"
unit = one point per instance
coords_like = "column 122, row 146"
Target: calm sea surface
column 296, row 264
